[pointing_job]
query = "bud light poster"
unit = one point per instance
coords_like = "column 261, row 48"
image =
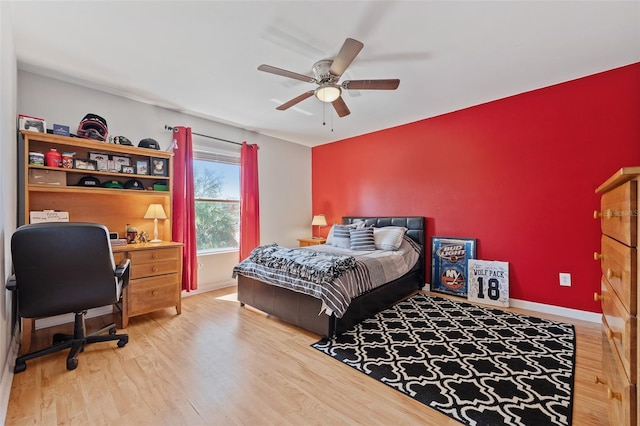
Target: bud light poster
column 449, row 270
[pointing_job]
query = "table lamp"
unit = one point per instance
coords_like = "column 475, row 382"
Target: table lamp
column 319, row 220
column 155, row 212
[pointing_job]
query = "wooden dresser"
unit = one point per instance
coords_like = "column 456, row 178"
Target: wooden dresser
column 155, row 281
column 618, row 295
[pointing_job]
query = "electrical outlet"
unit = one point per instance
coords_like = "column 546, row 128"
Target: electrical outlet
column 565, row 279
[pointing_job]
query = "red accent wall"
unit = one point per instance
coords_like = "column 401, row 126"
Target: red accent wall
column 518, row 174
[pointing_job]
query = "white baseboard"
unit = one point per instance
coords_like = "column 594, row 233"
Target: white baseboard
column 548, row 309
column 7, row 376
column 210, row 287
column 69, row 318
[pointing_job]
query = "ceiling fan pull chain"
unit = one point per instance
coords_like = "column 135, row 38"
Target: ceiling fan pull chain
column 324, row 114
column 332, row 122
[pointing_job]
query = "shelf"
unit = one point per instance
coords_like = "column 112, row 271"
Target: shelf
column 100, row 173
column 90, row 145
column 93, row 190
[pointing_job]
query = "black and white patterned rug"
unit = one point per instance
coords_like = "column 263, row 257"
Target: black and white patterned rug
column 478, row 365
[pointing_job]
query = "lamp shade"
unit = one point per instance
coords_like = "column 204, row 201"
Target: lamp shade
column 155, row 211
column 319, row 220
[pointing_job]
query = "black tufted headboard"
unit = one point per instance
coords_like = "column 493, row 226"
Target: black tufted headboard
column 414, row 225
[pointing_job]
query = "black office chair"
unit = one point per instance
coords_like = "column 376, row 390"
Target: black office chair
column 61, row 268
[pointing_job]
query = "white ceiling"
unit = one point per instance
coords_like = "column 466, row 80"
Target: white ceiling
column 201, row 57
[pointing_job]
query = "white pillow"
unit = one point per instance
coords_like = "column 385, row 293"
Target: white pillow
column 388, row 237
column 357, row 225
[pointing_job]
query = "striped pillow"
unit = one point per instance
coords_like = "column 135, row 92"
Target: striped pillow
column 341, row 236
column 362, row 239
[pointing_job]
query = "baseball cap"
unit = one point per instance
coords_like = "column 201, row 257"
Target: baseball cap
column 89, row 181
column 133, row 184
column 113, row 184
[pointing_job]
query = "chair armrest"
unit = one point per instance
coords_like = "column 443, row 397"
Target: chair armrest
column 122, row 267
column 11, row 283
column 122, row 272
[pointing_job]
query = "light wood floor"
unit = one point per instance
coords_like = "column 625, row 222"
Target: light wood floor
column 220, row 364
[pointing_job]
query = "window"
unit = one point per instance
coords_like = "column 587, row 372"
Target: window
column 217, row 198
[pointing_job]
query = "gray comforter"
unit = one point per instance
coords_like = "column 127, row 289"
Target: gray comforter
column 333, row 275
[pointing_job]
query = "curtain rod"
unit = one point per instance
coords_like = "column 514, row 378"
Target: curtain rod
column 207, row 136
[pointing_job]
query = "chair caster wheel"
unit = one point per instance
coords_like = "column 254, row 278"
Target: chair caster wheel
column 20, row 367
column 122, row 342
column 72, row 363
column 112, row 330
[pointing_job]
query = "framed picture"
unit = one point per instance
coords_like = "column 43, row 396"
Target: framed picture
column 142, row 167
column 101, row 159
column 85, row 164
column 449, row 264
column 128, row 169
column 118, row 162
column 488, row 282
column 159, row 166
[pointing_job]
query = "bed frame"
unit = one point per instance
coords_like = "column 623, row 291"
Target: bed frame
column 302, row 310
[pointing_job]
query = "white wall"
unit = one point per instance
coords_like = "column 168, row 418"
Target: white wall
column 8, row 202
column 284, row 167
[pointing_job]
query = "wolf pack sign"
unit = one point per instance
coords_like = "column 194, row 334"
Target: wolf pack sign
column 449, row 264
column 488, row 282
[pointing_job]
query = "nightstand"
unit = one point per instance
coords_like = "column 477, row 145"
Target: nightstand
column 303, row 242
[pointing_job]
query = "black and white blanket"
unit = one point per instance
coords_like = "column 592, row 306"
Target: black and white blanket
column 317, row 267
column 334, row 275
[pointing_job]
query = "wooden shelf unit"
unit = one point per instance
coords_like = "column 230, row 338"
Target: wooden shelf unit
column 114, row 208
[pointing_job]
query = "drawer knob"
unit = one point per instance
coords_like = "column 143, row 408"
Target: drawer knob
column 613, row 334
column 154, row 255
column 597, row 256
column 597, row 297
column 598, row 380
column 154, row 293
column 611, row 273
column 613, row 395
column 154, row 269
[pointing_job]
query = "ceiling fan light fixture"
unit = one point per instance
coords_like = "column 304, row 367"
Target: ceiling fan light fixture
column 328, row 92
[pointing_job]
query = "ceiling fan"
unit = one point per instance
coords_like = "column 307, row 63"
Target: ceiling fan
column 326, row 74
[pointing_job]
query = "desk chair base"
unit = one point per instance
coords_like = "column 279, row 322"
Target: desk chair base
column 75, row 341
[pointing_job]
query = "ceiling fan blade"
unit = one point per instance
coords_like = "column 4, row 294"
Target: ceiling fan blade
column 347, row 54
column 340, row 107
column 285, row 73
column 295, row 100
column 389, row 84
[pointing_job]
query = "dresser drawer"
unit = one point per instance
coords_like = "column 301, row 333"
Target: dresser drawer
column 155, row 255
column 619, row 266
column 141, row 270
column 150, row 294
column 620, row 329
column 621, row 395
column 618, row 208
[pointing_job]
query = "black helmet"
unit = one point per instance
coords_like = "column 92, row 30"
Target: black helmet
column 149, row 143
column 94, row 127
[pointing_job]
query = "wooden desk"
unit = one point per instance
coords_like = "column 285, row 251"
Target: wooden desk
column 155, row 283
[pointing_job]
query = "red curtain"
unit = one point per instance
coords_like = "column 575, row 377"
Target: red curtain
column 249, row 200
column 183, row 210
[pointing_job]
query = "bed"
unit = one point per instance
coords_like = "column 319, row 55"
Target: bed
column 310, row 313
